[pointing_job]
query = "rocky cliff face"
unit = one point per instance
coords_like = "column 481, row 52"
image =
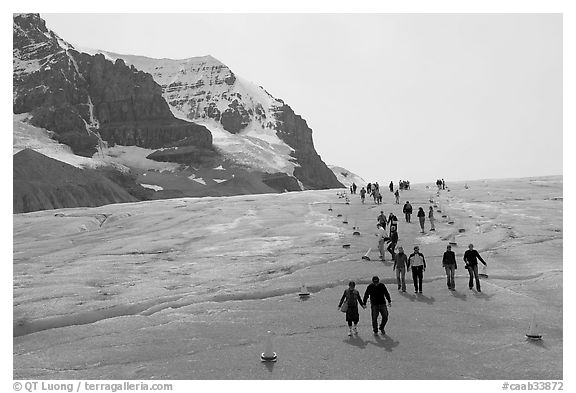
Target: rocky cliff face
column 85, row 99
column 203, row 89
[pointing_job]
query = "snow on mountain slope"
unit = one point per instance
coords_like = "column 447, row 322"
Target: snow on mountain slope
column 346, row 177
column 204, row 90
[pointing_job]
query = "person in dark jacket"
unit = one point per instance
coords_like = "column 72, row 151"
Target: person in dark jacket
column 471, row 257
column 382, row 219
column 393, row 239
column 352, row 297
column 422, row 217
column 449, row 264
column 401, row 265
column 362, row 194
column 418, row 263
column 391, row 186
column 378, row 294
column 407, row 210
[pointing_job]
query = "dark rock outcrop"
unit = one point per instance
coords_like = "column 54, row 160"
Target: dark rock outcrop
column 312, row 172
column 41, row 183
column 77, row 95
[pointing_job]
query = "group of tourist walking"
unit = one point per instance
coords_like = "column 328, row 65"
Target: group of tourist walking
column 415, row 262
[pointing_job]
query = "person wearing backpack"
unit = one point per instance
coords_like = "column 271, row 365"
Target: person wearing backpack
column 351, row 297
column 407, row 210
column 378, row 294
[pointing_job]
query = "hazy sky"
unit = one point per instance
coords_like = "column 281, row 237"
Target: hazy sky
column 388, row 96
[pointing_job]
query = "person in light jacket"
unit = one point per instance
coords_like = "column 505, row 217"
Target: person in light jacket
column 418, row 263
column 352, row 297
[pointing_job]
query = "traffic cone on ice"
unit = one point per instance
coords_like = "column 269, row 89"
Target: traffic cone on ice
column 345, row 220
column 339, row 215
column 304, row 292
column 366, row 257
column 534, row 330
column 330, row 208
column 268, row 355
column 356, row 229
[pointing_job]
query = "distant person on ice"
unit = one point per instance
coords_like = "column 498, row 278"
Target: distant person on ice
column 401, row 265
column 431, row 218
column 422, row 218
column 449, row 264
column 352, row 297
column 362, row 194
column 376, row 195
column 378, row 294
column 391, row 186
column 354, row 188
column 397, row 195
column 407, row 210
column 418, row 263
column 471, row 257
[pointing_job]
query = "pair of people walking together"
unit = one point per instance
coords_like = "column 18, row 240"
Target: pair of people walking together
column 378, row 294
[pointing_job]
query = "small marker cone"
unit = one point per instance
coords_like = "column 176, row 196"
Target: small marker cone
column 534, row 330
column 304, row 292
column 268, row 355
column 345, row 245
column 339, row 215
column 345, row 220
column 366, row 257
column 330, row 208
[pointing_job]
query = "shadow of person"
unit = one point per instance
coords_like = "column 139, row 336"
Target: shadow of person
column 458, row 295
column 483, row 295
column 408, row 296
column 425, row 299
column 355, row 341
column 386, row 342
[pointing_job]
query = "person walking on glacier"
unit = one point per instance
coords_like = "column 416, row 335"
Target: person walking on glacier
column 407, row 210
column 422, row 218
column 401, row 265
column 362, row 194
column 378, row 294
column 471, row 257
column 431, row 218
column 381, row 233
column 352, row 297
column 449, row 264
column 418, row 263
